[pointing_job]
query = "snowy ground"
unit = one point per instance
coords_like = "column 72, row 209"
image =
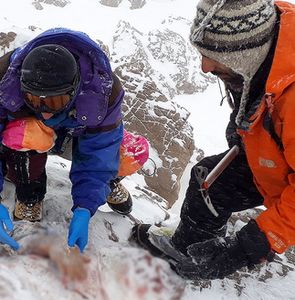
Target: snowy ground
column 118, row 270
column 209, row 121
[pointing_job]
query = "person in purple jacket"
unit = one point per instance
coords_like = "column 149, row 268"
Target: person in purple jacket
column 61, row 82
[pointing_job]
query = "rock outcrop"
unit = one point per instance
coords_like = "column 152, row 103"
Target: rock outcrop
column 148, row 111
column 5, row 40
column 134, row 4
column 59, row 3
column 153, row 68
column 111, row 3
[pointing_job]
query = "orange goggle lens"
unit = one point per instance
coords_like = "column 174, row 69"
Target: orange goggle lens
column 48, row 104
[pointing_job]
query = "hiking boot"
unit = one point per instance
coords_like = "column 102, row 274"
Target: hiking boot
column 28, row 211
column 186, row 234
column 140, row 235
column 157, row 240
column 119, row 200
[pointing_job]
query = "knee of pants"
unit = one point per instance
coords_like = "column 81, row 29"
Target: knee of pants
column 25, row 166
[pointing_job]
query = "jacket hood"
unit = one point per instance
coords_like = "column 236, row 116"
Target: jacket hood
column 91, row 102
column 282, row 73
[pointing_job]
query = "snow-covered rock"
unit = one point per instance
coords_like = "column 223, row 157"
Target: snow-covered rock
column 58, row 3
column 149, row 112
column 111, row 3
column 134, row 4
column 119, row 269
column 148, row 107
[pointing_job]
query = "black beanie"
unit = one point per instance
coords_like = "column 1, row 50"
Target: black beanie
column 49, row 70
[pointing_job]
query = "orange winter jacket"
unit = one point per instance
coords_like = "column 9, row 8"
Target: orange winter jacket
column 274, row 168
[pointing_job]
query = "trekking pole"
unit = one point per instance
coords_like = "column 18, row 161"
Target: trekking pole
column 220, row 167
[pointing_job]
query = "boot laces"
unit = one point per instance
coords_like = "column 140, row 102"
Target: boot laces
column 119, row 194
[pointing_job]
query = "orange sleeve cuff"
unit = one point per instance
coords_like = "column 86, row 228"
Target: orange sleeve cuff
column 277, row 242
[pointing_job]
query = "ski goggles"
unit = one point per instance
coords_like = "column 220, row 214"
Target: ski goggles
column 48, row 104
column 49, row 100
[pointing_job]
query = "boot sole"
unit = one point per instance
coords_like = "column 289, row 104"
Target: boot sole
column 123, row 213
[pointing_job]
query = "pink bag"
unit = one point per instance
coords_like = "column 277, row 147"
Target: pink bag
column 134, row 152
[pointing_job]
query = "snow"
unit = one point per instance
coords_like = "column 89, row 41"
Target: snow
column 208, row 119
column 118, row 269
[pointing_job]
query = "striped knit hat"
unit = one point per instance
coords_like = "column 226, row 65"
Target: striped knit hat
column 237, row 34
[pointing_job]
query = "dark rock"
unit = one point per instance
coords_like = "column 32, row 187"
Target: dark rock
column 58, row 3
column 6, row 39
column 112, row 3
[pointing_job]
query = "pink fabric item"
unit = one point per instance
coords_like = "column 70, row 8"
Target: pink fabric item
column 28, row 134
column 13, row 134
column 135, row 146
column 134, row 152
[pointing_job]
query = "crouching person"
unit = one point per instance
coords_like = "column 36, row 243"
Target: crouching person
column 254, row 63
column 57, row 88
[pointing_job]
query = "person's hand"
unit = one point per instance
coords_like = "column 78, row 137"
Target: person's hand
column 6, row 225
column 219, row 257
column 78, row 232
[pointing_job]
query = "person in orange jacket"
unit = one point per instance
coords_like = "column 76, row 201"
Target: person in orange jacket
column 250, row 46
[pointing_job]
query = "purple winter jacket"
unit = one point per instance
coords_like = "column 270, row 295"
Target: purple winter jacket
column 96, row 153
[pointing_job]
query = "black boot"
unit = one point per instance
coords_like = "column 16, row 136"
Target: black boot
column 185, row 235
column 140, row 235
column 157, row 241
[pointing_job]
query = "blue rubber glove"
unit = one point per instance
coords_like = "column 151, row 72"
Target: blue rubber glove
column 78, row 232
column 6, row 225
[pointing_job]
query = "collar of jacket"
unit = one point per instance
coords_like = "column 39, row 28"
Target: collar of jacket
column 282, row 73
column 278, row 70
column 96, row 76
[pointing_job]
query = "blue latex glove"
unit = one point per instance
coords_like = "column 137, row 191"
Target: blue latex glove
column 6, row 225
column 78, row 232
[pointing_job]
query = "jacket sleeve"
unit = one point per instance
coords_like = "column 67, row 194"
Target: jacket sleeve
column 2, row 126
column 4, row 64
column 95, row 162
column 278, row 221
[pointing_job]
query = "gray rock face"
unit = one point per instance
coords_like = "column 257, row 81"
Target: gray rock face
column 169, row 48
column 135, row 4
column 153, row 68
column 173, row 51
column 59, row 3
column 6, row 39
column 147, row 111
column 112, row 3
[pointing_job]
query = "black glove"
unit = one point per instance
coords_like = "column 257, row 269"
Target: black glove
column 219, row 257
column 233, row 139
